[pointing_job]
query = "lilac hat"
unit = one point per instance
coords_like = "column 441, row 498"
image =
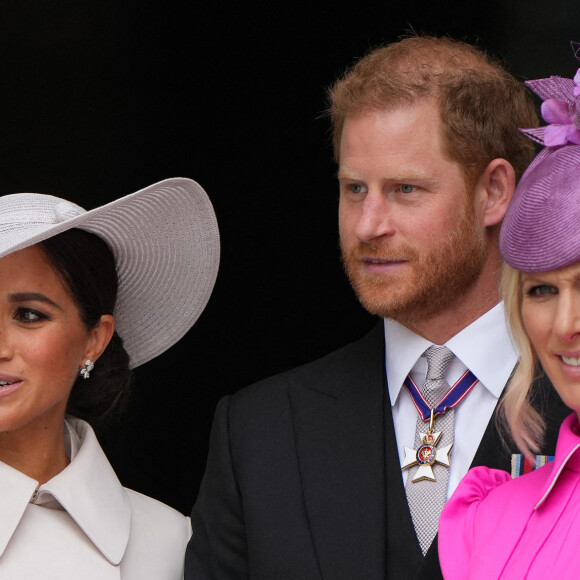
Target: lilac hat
column 541, row 229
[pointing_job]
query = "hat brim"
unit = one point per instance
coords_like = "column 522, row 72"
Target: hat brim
column 165, row 240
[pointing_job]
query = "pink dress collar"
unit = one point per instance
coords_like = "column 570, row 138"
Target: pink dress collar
column 566, row 456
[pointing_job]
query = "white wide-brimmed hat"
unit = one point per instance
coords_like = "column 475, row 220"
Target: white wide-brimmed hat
column 165, row 241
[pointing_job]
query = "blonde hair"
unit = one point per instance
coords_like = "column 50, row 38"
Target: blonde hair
column 516, row 412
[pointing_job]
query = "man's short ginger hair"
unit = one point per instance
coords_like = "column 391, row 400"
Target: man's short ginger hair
column 481, row 104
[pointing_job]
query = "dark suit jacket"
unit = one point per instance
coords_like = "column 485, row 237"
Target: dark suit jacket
column 303, row 479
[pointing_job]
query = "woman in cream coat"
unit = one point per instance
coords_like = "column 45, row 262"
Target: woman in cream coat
column 84, row 298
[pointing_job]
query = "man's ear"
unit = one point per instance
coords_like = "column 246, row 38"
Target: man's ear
column 100, row 336
column 494, row 190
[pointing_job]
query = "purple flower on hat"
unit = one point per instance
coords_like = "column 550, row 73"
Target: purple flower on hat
column 560, row 109
column 577, row 83
column 562, row 118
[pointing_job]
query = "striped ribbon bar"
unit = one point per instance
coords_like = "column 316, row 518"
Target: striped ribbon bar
column 453, row 397
column 521, row 464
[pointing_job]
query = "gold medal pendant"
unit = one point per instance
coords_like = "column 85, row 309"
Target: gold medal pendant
column 427, row 455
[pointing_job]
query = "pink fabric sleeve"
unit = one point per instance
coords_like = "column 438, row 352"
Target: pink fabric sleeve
column 456, row 525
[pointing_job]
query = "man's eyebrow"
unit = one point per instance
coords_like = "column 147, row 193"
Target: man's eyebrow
column 345, row 174
column 32, row 297
column 410, row 177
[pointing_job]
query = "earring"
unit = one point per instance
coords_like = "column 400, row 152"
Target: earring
column 89, row 366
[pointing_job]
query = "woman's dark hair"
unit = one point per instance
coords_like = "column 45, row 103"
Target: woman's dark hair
column 86, row 266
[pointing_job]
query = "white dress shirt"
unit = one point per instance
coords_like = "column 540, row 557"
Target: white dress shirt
column 485, row 348
column 83, row 524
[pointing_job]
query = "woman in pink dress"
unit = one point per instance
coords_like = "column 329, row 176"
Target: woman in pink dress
column 529, row 527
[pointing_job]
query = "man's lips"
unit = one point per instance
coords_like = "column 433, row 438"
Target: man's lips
column 382, row 261
column 382, row 265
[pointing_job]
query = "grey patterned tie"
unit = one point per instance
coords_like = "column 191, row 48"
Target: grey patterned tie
column 427, row 498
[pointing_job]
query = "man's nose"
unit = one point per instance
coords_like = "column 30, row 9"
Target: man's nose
column 376, row 218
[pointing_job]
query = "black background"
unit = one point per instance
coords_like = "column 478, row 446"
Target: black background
column 101, row 98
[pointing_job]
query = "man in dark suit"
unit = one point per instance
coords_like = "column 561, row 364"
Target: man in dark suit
column 304, row 477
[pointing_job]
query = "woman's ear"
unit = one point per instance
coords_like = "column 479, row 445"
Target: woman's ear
column 494, row 190
column 100, row 336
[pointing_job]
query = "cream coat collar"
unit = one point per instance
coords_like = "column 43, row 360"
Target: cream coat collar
column 87, row 489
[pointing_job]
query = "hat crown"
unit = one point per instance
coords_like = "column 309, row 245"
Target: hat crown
column 30, row 209
column 540, row 231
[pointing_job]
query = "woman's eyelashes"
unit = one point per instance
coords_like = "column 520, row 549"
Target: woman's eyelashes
column 541, row 290
column 29, row 315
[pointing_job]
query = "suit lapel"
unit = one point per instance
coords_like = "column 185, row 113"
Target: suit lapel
column 339, row 431
column 492, row 452
column 403, row 552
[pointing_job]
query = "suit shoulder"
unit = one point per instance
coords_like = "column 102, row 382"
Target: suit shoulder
column 370, row 345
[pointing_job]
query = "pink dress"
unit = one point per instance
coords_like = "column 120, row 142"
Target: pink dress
column 529, row 527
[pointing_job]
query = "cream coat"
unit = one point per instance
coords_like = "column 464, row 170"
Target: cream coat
column 84, row 524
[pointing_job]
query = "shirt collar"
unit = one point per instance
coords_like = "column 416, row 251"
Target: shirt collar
column 485, row 339
column 402, row 349
column 87, row 489
column 567, row 454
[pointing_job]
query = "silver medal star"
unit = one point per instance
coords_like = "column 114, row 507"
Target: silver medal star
column 426, row 456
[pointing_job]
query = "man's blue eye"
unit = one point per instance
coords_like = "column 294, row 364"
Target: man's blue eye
column 406, row 188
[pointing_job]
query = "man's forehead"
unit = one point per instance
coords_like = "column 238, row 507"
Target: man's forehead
column 419, row 122
column 394, row 132
column 417, row 114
